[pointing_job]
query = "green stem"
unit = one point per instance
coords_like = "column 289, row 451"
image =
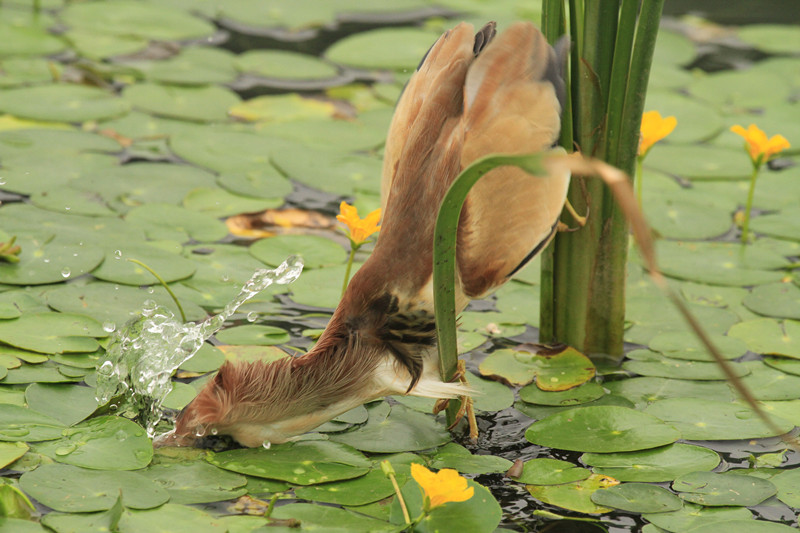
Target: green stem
column 444, row 259
column 749, row 207
column 639, row 179
column 353, row 249
column 163, row 284
column 271, row 504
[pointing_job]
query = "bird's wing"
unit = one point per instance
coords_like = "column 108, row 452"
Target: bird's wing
column 511, row 105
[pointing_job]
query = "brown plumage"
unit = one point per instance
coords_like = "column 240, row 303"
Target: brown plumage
column 473, row 95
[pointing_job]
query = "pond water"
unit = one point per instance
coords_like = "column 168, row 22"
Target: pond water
column 134, row 129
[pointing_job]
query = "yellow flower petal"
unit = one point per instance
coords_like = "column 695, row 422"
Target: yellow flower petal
column 442, row 487
column 760, row 148
column 654, row 128
column 359, row 230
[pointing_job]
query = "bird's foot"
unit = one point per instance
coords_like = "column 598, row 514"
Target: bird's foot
column 580, row 219
column 467, row 407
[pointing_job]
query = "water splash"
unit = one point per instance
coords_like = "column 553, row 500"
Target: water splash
column 143, row 354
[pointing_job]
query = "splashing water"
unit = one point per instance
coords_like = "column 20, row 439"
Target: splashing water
column 143, row 354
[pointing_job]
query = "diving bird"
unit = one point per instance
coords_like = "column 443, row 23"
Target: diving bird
column 473, row 94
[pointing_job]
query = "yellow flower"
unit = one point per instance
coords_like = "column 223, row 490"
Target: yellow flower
column 441, row 487
column 359, row 228
column 758, row 146
column 654, row 128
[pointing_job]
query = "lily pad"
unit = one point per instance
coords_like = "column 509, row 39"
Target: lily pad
column 264, row 183
column 644, row 390
column 637, row 498
column 302, row 463
column 788, row 484
column 602, row 429
column 779, row 300
column 329, row 171
column 172, row 222
column 575, row 496
column 196, row 65
column 281, row 108
column 685, row 345
column 284, row 65
column 103, row 443
column 455, row 456
column 395, row 429
column 52, row 332
column 490, row 395
column 769, row 336
column 556, row 372
column 666, row 367
column 584, row 393
column 50, row 263
column 164, row 518
column 11, row 451
column 771, row 38
column 72, row 489
column 366, row 489
column 767, row 383
column 693, row 516
column 202, row 104
column 68, row 403
column 378, row 49
column 713, row 420
column 169, row 266
column 315, row 251
column 63, row 102
column 654, row 465
column 546, row 471
column 718, row 490
column 322, row 518
column 197, row 482
column 252, row 334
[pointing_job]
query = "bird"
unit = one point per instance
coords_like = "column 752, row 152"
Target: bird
column 473, row 94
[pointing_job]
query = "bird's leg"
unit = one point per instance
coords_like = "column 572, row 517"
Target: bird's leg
column 581, row 220
column 466, row 408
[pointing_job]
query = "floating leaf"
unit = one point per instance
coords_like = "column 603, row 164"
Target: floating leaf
column 50, row 263
column 284, row 64
column 693, row 516
column 712, row 420
column 666, row 367
column 395, row 429
column 779, row 300
column 252, row 334
column 602, row 429
column 655, row 465
column 455, row 456
column 788, row 484
column 685, row 345
column 11, row 451
column 302, row 463
column 378, row 49
column 52, row 332
column 559, row 371
column 68, row 403
column 644, row 390
column 769, row 384
column 203, row 104
column 164, row 519
column 323, row 517
column 315, row 251
column 584, row 393
column 103, row 443
column 575, row 496
column 637, row 498
column 172, row 222
column 197, row 482
column 546, row 471
column 366, row 489
column 169, row 266
column 717, row 490
column 63, row 103
column 72, row 489
column 769, row 336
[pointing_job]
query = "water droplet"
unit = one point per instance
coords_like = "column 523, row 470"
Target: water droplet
column 225, row 277
column 67, row 208
column 46, row 260
column 65, row 272
column 113, row 407
column 106, row 369
column 66, row 450
column 117, row 254
column 252, row 316
column 109, row 327
column 200, row 431
column 266, row 444
column 2, row 181
column 214, row 431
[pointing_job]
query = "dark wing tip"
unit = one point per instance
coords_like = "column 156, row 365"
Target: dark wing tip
column 484, row 36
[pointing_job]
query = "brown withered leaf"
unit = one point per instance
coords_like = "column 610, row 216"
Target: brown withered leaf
column 273, row 221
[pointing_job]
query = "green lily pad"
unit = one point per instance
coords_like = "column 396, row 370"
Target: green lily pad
column 723, row 263
column 684, row 215
column 637, row 498
column 395, row 429
column 23, row 424
column 11, row 451
column 197, row 482
column 366, row 489
column 206, row 359
column 180, row 396
column 699, row 162
column 40, row 373
column 666, row 367
column 164, row 518
column 789, row 366
column 202, row 104
column 103, row 443
column 780, row 225
column 546, row 471
column 602, row 429
column 161, row 23
column 330, row 171
column 72, row 489
column 560, row 371
column 264, row 183
column 769, row 336
column 365, row 133
column 52, row 332
column 771, row 38
column 455, row 456
column 68, row 403
column 283, row 64
column 654, row 465
column 745, row 526
column 584, row 393
column 788, row 484
column 302, row 463
column 280, row 108
column 736, row 90
column 320, row 287
column 252, row 334
column 113, row 305
column 644, row 390
column 693, row 516
column 378, row 49
column 718, row 490
column 713, row 420
column 779, row 300
column 685, row 345
column 196, row 65
column 315, row 251
column 50, row 263
column 323, row 518
column 172, row 222
column 538, row 412
column 28, row 41
column 479, row 513
column 698, row 120
column 169, row 266
column 766, row 383
column 63, row 103
column 221, row 203
column 575, row 496
column 85, row 522
column 490, row 395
